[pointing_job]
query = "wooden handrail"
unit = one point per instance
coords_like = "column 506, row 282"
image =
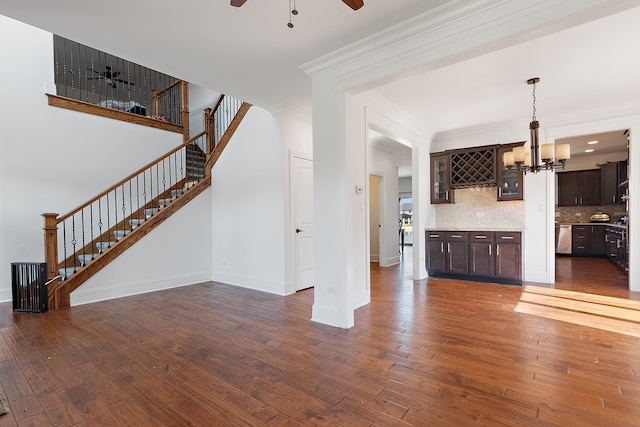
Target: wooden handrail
column 215, row 107
column 129, row 177
column 170, row 86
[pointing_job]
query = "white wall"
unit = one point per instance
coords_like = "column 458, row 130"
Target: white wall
column 247, row 206
column 52, row 159
column 199, row 99
column 176, row 253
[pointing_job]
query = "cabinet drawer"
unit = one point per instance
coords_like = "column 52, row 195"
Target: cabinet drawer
column 507, row 237
column 435, row 235
column 481, row 236
column 461, row 236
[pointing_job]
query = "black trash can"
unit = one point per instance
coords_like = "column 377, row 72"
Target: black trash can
column 29, row 286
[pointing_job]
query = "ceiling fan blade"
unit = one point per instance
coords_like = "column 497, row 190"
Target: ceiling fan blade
column 354, row 4
column 125, row 82
column 238, row 3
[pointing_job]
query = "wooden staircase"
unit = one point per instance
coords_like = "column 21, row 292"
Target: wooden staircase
column 180, row 176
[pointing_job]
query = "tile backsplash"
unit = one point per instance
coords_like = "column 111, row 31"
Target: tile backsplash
column 577, row 214
column 478, row 209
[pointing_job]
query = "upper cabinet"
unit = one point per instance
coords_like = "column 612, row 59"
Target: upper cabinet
column 579, row 188
column 612, row 175
column 510, row 181
column 474, row 167
column 441, row 178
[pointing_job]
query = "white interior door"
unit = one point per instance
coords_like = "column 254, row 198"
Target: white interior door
column 302, row 175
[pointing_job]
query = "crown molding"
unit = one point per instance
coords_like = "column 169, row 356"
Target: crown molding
column 457, row 30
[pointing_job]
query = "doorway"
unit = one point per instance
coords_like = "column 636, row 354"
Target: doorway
column 302, row 194
column 375, row 221
column 598, row 228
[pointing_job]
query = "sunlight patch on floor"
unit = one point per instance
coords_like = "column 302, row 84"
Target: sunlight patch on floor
column 595, row 311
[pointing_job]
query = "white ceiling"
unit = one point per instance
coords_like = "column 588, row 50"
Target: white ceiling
column 250, row 53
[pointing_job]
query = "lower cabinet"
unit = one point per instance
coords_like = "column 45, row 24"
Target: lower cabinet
column 486, row 256
column 588, row 240
column 616, row 247
column 447, row 252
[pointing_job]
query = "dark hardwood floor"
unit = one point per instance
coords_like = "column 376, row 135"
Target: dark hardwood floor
column 436, row 352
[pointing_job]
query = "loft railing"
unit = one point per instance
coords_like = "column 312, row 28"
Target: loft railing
column 91, row 76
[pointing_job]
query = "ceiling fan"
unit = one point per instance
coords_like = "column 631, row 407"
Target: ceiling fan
column 353, row 4
column 110, row 77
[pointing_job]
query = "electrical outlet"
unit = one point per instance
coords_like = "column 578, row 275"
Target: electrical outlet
column 332, row 291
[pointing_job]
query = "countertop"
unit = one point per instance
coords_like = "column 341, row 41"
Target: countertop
column 609, row 224
column 479, row 229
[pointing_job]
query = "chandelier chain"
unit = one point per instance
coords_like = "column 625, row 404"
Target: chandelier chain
column 534, row 103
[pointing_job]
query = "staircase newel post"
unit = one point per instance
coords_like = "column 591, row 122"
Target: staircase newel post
column 155, row 108
column 51, row 243
column 184, row 109
column 208, row 127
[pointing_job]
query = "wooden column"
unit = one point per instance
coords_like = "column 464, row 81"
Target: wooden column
column 51, row 243
column 184, row 109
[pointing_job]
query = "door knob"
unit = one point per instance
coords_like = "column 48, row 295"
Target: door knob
column 298, row 230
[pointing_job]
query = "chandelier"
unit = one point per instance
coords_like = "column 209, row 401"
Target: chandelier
column 537, row 157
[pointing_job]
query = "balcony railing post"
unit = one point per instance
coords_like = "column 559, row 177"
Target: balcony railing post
column 155, row 108
column 51, row 243
column 184, row 109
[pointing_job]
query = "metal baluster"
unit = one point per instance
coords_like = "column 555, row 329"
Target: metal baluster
column 91, row 220
column 130, row 204
column 64, row 247
column 108, row 222
column 164, row 179
column 73, row 240
column 83, row 241
column 99, row 222
column 124, row 212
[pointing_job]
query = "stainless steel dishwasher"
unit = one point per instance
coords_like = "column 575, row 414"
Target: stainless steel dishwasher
column 563, row 245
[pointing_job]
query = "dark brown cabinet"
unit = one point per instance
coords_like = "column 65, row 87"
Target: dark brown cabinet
column 616, row 246
column 588, row 240
column 441, row 179
column 475, row 255
column 579, row 188
column 508, row 253
column 457, row 252
column 436, row 259
column 611, row 176
column 481, row 254
column 510, row 181
column 447, row 252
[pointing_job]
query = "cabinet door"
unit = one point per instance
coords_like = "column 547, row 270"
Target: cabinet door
column 567, row 189
column 597, row 240
column 435, row 252
column 457, row 247
column 609, row 183
column 441, row 179
column 589, row 187
column 508, row 256
column 481, row 259
column 509, row 181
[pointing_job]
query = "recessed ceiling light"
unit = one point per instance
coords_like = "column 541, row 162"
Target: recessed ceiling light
column 589, row 150
column 592, row 142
